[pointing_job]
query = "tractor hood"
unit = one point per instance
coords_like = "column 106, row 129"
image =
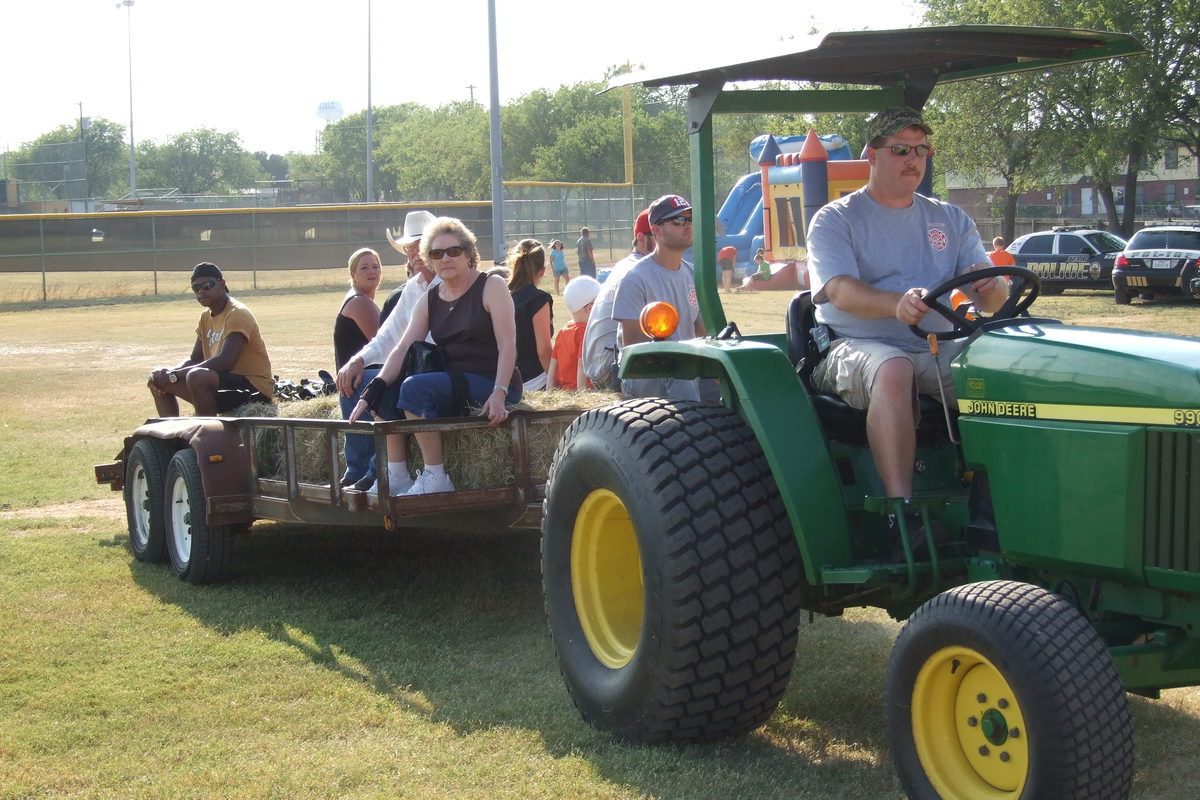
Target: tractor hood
column 1046, row 370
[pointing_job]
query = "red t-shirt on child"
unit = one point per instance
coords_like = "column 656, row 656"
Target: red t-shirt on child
column 568, row 349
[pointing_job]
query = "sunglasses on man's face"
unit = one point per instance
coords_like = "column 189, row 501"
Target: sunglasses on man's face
column 902, row 150
column 454, row 252
column 197, row 288
column 680, row 221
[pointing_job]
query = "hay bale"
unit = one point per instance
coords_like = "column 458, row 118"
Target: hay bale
column 475, row 459
column 311, row 461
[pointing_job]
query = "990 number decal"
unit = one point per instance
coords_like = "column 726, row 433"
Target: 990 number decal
column 1187, row 417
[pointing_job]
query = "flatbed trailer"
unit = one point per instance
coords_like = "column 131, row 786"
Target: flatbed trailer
column 191, row 484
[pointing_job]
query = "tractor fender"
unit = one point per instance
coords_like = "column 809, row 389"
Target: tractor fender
column 221, row 453
column 759, row 382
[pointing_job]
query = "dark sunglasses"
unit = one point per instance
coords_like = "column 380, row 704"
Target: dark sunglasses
column 902, row 150
column 197, row 288
column 454, row 252
column 680, row 221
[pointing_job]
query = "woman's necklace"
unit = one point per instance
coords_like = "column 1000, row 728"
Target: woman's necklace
column 451, row 303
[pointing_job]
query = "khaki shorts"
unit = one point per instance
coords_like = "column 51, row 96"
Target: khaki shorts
column 849, row 370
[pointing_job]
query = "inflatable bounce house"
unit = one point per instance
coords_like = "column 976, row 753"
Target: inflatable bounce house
column 771, row 208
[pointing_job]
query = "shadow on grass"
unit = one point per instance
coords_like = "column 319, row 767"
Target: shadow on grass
column 450, row 625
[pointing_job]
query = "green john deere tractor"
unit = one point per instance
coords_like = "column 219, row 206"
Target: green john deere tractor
column 682, row 542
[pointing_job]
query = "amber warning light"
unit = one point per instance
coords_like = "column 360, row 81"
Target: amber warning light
column 659, row 320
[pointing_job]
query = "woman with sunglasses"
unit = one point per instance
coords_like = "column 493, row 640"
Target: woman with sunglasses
column 471, row 317
column 356, row 323
column 534, row 310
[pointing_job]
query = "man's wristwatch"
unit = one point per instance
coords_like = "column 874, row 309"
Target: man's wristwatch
column 501, row 389
column 172, row 377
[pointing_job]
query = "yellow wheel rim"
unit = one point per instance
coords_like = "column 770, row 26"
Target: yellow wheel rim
column 968, row 728
column 606, row 577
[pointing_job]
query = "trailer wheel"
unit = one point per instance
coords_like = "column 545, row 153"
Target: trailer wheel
column 145, row 482
column 200, row 553
column 1004, row 690
column 670, row 570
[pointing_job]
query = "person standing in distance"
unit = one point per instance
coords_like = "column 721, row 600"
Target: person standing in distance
column 587, row 258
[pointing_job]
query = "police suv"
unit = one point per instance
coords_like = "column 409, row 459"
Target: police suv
column 1069, row 257
column 1159, row 260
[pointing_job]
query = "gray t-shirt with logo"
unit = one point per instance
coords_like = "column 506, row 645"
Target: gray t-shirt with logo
column 893, row 249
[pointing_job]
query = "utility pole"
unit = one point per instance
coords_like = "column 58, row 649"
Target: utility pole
column 471, row 89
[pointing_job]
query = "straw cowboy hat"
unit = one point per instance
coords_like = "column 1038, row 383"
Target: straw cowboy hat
column 414, row 223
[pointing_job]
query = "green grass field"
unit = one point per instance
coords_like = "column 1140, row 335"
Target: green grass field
column 361, row 663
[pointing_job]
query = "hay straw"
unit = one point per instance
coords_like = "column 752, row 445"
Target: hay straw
column 480, row 458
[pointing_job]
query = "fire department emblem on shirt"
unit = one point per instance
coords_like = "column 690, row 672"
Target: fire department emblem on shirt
column 938, row 238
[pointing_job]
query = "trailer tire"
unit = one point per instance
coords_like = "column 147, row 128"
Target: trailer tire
column 200, row 553
column 1004, row 690
column 145, row 482
column 671, row 574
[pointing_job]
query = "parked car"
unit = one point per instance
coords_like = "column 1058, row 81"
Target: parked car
column 1069, row 258
column 1159, row 260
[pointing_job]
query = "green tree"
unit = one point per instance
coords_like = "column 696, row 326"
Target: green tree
column 274, row 165
column 52, row 152
column 203, row 161
column 345, row 144
column 440, row 154
column 1102, row 119
column 1009, row 141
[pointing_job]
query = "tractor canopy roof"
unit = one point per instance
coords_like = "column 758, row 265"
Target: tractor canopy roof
column 916, row 58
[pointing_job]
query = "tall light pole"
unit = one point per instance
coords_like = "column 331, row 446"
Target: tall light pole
column 129, row 44
column 497, row 157
column 370, row 117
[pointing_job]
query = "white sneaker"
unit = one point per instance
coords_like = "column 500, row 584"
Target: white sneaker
column 396, row 488
column 428, row 483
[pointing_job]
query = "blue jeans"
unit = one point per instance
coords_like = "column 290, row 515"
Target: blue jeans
column 429, row 394
column 360, row 447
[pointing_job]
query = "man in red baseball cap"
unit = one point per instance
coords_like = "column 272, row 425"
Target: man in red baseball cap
column 600, row 340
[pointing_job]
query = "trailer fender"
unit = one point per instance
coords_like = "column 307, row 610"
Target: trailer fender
column 221, row 454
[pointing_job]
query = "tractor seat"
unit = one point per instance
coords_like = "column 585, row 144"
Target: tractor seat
column 839, row 420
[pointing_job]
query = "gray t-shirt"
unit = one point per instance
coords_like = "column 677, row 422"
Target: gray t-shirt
column 600, row 340
column 650, row 282
column 893, row 249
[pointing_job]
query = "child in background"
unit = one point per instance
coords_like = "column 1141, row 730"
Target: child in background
column 566, row 363
column 558, row 264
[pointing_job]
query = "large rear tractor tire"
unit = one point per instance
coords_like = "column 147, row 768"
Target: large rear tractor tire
column 1002, row 690
column 671, row 574
column 200, row 553
column 145, row 482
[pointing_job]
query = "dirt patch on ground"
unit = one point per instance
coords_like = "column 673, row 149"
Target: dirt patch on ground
column 109, row 508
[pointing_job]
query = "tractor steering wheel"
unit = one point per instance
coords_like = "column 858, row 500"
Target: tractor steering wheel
column 1025, row 288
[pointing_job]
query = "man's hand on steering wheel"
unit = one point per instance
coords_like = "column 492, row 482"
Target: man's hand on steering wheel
column 1024, row 289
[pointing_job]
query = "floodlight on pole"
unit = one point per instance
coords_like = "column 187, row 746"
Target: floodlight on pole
column 128, row 4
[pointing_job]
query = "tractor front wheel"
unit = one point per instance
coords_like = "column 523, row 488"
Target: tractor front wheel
column 1002, row 690
column 670, row 571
